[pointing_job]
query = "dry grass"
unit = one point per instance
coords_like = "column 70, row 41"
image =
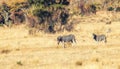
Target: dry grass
column 5, row 51
column 11, row 2
column 42, row 52
column 79, row 63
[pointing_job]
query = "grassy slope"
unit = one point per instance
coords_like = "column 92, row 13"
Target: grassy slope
column 42, row 52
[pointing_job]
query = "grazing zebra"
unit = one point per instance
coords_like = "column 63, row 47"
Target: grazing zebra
column 66, row 38
column 99, row 38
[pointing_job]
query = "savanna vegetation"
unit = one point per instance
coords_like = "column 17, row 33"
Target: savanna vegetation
column 29, row 30
column 51, row 15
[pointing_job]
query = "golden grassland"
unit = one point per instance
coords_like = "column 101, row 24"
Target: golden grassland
column 18, row 50
column 11, row 2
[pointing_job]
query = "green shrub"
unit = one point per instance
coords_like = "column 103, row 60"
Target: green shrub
column 110, row 8
column 37, row 2
column 19, row 63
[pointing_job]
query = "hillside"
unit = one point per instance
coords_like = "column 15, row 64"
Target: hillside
column 20, row 50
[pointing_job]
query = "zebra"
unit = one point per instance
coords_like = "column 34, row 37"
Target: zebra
column 66, row 38
column 99, row 38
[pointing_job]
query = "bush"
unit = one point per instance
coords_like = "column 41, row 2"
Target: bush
column 46, row 11
column 117, row 9
column 19, row 63
column 5, row 7
column 37, row 2
column 110, row 9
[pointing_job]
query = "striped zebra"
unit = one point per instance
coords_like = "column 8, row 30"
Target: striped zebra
column 66, row 38
column 99, row 38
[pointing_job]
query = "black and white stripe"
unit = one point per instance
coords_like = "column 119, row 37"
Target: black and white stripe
column 66, row 38
column 99, row 38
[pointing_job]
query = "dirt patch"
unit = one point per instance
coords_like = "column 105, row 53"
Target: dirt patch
column 5, row 51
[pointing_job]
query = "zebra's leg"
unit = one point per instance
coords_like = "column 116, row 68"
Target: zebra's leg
column 98, row 40
column 72, row 42
column 58, row 42
column 63, row 44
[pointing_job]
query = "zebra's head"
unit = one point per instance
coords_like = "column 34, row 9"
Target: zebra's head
column 59, row 39
column 94, row 36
